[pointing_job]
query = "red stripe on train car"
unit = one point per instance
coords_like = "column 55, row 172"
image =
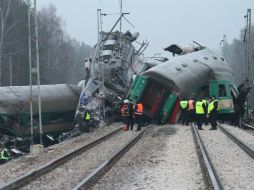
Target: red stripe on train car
column 174, row 116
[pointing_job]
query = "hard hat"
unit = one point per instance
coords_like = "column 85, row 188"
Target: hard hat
column 82, row 107
column 126, row 101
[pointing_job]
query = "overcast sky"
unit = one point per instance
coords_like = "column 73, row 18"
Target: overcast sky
column 161, row 22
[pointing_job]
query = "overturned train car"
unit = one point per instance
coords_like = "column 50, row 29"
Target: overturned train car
column 58, row 108
column 201, row 73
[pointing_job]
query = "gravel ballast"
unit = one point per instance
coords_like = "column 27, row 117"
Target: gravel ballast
column 165, row 158
column 245, row 136
column 234, row 167
column 69, row 174
column 22, row 165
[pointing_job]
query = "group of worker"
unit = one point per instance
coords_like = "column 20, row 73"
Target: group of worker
column 132, row 113
column 200, row 111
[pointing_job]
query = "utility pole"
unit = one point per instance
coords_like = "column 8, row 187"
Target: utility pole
column 223, row 43
column 247, row 46
column 34, row 67
column 101, row 65
column 247, row 43
column 10, row 68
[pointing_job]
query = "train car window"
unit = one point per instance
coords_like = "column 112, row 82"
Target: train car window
column 233, row 91
column 222, row 90
column 222, row 59
column 206, row 58
column 108, row 47
column 215, row 58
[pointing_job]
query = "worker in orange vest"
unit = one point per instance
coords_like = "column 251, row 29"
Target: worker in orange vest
column 191, row 110
column 138, row 113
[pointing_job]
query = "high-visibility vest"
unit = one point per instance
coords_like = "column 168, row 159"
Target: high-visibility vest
column 190, row 102
column 4, row 155
column 184, row 104
column 139, row 109
column 211, row 106
column 199, row 107
column 88, row 116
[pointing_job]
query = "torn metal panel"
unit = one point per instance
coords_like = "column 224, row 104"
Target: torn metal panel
column 114, row 62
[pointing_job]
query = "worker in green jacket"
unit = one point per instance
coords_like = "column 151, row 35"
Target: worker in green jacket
column 200, row 113
column 184, row 111
column 87, row 120
column 213, row 111
column 4, row 156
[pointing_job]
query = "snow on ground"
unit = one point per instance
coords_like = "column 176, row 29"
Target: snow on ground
column 69, row 174
column 165, row 158
column 22, row 165
column 234, row 167
column 245, row 136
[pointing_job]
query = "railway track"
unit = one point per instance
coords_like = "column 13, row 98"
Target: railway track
column 225, row 165
column 81, row 169
column 36, row 173
column 249, row 128
column 162, row 159
column 91, row 180
column 238, row 141
column 210, row 176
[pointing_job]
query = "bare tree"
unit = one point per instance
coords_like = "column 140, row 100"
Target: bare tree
column 4, row 13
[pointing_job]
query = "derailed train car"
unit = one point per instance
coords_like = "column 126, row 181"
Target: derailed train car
column 58, row 108
column 201, row 73
column 114, row 62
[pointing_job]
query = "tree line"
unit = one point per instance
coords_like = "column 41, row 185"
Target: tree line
column 61, row 57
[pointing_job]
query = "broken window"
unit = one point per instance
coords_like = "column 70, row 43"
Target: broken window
column 222, row 90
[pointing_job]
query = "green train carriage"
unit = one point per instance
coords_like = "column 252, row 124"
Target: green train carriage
column 225, row 91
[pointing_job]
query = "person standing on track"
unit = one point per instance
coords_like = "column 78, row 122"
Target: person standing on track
column 87, row 120
column 125, row 112
column 131, row 112
column 138, row 113
column 200, row 113
column 184, row 111
column 191, row 110
column 212, row 111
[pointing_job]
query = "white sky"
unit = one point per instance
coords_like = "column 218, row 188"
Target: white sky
column 161, row 22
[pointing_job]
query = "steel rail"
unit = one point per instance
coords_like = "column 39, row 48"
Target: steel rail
column 247, row 126
column 33, row 174
column 241, row 144
column 92, row 179
column 209, row 173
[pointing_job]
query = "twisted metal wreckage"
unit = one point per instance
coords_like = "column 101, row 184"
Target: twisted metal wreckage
column 114, row 62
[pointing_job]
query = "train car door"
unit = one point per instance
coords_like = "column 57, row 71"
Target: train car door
column 152, row 97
